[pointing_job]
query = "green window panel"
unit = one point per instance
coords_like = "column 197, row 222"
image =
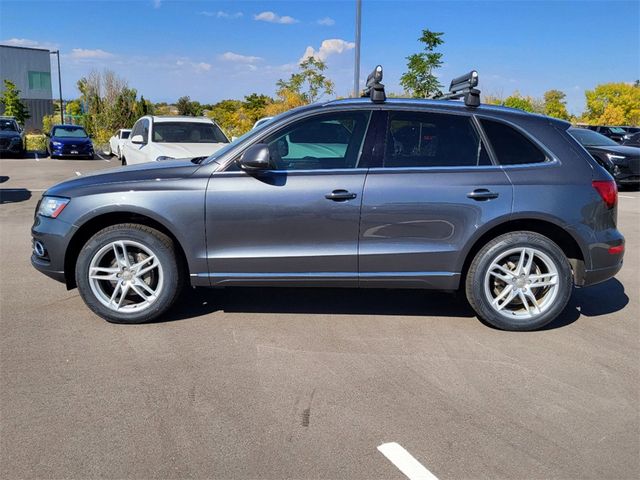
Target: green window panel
column 39, row 81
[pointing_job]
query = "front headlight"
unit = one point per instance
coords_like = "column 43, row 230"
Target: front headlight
column 162, row 157
column 52, row 206
column 56, row 144
column 615, row 158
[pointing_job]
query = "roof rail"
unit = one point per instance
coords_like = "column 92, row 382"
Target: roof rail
column 463, row 87
column 374, row 89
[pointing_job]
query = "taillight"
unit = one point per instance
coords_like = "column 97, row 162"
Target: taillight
column 607, row 190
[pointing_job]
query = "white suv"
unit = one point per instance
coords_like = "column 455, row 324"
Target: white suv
column 161, row 138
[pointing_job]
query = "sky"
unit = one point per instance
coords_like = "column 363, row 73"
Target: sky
column 212, row 50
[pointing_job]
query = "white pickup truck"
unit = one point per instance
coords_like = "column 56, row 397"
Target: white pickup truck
column 156, row 138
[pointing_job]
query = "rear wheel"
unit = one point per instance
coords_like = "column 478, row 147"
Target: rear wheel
column 519, row 281
column 129, row 273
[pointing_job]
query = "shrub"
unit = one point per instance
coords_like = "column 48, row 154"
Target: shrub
column 36, row 142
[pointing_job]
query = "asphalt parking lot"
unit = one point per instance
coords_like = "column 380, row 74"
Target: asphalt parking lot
column 303, row 383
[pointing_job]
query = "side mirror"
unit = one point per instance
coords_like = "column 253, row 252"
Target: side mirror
column 256, row 157
column 137, row 139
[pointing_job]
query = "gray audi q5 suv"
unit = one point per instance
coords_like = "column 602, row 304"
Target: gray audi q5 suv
column 401, row 193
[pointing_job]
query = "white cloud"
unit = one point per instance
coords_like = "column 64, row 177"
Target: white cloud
column 84, row 53
column 327, row 48
column 238, row 58
column 198, row 67
column 25, row 42
column 326, row 21
column 157, row 3
column 221, row 14
column 272, row 17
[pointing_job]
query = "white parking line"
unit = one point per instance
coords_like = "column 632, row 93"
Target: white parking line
column 105, row 159
column 627, row 196
column 405, row 462
column 37, row 159
column 78, row 173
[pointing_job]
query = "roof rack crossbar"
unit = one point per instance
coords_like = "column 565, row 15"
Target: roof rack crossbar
column 463, row 87
column 374, row 89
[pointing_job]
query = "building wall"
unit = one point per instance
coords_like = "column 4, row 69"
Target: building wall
column 30, row 70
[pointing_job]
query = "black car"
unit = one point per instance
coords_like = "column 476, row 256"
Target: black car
column 623, row 162
column 11, row 137
column 632, row 140
column 631, row 131
column 614, row 133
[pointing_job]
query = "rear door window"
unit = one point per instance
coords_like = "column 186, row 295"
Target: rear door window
column 425, row 139
column 510, row 146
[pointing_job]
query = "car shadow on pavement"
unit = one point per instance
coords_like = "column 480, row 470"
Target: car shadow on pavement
column 598, row 300
column 594, row 301
column 3, row 178
column 14, row 195
column 339, row 301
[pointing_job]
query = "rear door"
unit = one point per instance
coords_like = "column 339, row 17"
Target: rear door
column 434, row 188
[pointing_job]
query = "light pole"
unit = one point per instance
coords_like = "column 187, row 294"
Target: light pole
column 57, row 53
column 356, row 67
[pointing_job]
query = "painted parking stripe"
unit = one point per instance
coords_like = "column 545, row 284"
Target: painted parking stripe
column 627, row 196
column 105, row 159
column 78, row 173
column 405, row 462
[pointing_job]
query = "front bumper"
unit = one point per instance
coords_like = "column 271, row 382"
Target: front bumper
column 54, row 236
column 66, row 151
column 8, row 147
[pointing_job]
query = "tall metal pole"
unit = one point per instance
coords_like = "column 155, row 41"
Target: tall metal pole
column 57, row 53
column 356, row 67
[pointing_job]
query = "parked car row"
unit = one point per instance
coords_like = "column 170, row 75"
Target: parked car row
column 616, row 133
column 621, row 161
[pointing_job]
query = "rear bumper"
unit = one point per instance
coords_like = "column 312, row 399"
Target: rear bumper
column 592, row 277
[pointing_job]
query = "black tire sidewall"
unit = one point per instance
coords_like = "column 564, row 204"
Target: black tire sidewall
column 159, row 244
column 484, row 258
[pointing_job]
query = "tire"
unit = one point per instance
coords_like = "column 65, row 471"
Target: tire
column 124, row 161
column 103, row 293
column 502, row 290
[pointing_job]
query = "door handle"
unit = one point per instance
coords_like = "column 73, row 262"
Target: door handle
column 340, row 196
column 481, row 194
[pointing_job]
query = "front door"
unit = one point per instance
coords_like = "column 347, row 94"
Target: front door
column 434, row 189
column 298, row 222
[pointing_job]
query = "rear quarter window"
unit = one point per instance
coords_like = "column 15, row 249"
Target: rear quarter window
column 510, row 146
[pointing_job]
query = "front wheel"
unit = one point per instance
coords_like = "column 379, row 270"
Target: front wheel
column 519, row 281
column 129, row 273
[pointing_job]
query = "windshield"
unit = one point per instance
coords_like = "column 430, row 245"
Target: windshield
column 589, row 138
column 8, row 126
column 69, row 132
column 125, row 134
column 187, row 132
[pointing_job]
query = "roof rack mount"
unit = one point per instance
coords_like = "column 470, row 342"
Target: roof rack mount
column 374, row 89
column 463, row 87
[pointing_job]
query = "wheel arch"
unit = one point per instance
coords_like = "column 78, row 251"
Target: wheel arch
column 574, row 252
column 94, row 224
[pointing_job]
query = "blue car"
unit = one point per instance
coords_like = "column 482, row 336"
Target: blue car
column 69, row 141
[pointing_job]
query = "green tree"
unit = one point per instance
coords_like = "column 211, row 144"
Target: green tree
column 419, row 79
column 310, row 83
column 516, row 101
column 555, row 104
column 254, row 106
column 189, row 107
column 613, row 103
column 13, row 106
